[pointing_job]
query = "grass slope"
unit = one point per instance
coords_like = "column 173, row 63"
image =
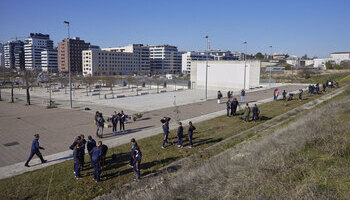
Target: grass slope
column 34, row 185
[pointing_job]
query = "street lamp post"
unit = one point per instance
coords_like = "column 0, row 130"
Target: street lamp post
column 245, row 64
column 206, row 69
column 69, row 68
column 270, row 68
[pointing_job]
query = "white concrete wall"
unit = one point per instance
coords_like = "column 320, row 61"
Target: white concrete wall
column 225, row 74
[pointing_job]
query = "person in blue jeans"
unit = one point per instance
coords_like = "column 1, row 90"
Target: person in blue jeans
column 180, row 135
column 35, row 150
column 115, row 118
column 96, row 153
column 132, row 152
column 191, row 128
column 242, row 95
column 136, row 163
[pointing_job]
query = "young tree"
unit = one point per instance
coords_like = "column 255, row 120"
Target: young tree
column 130, row 80
column 64, row 81
column 259, row 56
column 174, row 80
column 158, row 81
column 88, row 80
column 109, row 81
column 27, row 77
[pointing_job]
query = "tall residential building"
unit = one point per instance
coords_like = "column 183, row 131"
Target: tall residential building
column 2, row 57
column 190, row 56
column 75, row 47
column 164, row 59
column 35, row 44
column 140, row 56
column 49, row 60
column 14, row 55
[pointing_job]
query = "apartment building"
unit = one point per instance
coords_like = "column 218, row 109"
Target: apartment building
column 141, row 56
column 14, row 55
column 190, row 56
column 34, row 45
column 49, row 60
column 2, row 57
column 74, row 47
column 165, row 59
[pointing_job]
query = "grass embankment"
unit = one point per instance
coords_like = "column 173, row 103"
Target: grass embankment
column 307, row 158
column 64, row 186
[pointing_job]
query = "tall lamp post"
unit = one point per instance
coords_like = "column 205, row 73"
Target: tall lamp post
column 69, row 68
column 270, row 68
column 245, row 63
column 206, row 68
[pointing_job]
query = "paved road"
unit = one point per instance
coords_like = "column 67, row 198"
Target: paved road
column 59, row 126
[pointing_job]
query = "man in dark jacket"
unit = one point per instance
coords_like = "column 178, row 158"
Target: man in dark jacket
column 35, row 150
column 165, row 126
column 228, row 106
column 132, row 152
column 137, row 163
column 96, row 157
column 234, row 105
column 180, row 135
column 91, row 143
column 255, row 112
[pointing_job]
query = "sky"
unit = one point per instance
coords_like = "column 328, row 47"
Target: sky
column 312, row 27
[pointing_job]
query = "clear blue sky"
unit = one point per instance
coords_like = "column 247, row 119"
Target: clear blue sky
column 314, row 27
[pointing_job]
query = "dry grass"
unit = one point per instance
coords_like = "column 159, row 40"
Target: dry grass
column 307, row 159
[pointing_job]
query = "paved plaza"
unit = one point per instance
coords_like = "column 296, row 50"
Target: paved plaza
column 59, row 126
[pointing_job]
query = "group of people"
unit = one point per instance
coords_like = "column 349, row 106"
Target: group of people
column 115, row 118
column 180, row 133
column 97, row 153
column 256, row 113
column 230, row 95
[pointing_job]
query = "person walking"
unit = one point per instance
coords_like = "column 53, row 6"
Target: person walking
column 165, row 126
column 114, row 119
column 317, row 88
column 180, row 135
column 191, row 128
column 91, row 143
column 95, row 158
column 35, row 150
column 137, row 163
column 132, row 152
column 101, row 124
column 219, row 96
column 246, row 113
column 242, row 95
column 256, row 112
column 228, row 107
column 76, row 147
column 122, row 119
column 300, row 94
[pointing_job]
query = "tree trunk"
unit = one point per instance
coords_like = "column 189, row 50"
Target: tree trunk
column 12, row 100
column 0, row 95
column 157, row 88
column 28, row 96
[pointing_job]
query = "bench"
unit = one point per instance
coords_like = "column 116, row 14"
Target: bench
column 120, row 96
column 144, row 93
column 162, row 91
column 95, row 93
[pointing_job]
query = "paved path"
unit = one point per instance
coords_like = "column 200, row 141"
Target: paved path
column 58, row 127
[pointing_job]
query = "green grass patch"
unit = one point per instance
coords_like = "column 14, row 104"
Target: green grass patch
column 34, row 185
